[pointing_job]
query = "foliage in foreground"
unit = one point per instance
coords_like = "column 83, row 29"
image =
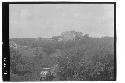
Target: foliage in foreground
column 86, row 59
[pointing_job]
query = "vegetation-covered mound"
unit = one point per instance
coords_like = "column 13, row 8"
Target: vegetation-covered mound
column 84, row 58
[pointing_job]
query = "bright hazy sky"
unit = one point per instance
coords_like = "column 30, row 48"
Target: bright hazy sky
column 47, row 20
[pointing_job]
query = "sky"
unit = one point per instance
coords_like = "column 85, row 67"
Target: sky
column 47, row 20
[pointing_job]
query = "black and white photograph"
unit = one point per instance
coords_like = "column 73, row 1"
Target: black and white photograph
column 62, row 41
